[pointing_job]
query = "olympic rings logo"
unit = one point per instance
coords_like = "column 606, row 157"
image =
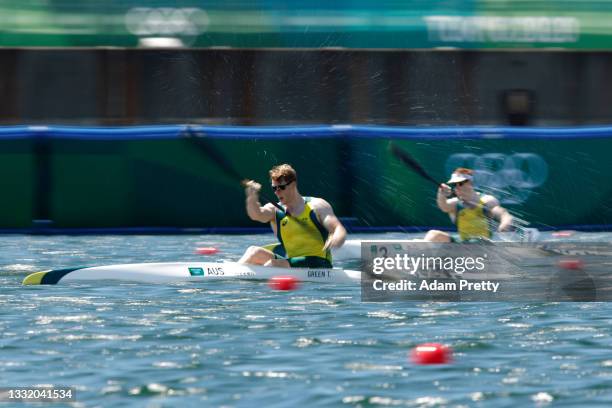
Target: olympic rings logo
column 510, row 178
column 166, row 21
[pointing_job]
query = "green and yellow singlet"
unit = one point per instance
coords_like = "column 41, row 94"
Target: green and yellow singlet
column 473, row 222
column 303, row 237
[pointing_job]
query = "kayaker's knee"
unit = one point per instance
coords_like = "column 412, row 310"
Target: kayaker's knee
column 252, row 250
column 279, row 263
column 255, row 255
column 437, row 236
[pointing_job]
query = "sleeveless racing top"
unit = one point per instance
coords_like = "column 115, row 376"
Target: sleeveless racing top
column 473, row 222
column 302, row 234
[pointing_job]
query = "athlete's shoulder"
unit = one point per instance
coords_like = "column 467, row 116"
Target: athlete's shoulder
column 489, row 200
column 321, row 207
column 317, row 202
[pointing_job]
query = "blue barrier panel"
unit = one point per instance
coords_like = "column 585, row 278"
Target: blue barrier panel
column 177, row 178
column 113, row 133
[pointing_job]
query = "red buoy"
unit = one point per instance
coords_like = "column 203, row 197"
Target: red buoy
column 573, row 264
column 283, row 283
column 206, row 250
column 431, row 353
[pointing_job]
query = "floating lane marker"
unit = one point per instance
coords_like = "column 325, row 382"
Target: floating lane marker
column 571, row 263
column 431, row 353
column 206, row 250
column 283, row 283
column 562, row 234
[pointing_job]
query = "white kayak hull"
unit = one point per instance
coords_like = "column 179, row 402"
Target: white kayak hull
column 188, row 272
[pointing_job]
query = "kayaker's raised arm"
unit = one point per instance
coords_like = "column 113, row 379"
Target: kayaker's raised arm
column 254, row 209
column 442, row 199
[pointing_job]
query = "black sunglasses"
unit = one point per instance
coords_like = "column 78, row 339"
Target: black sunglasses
column 281, row 187
column 460, row 183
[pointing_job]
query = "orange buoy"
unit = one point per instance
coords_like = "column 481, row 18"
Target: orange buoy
column 206, row 250
column 431, row 353
column 283, row 283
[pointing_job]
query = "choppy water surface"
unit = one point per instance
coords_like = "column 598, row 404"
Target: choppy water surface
column 238, row 343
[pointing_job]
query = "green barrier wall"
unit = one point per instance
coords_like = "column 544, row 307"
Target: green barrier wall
column 69, row 178
column 548, row 182
column 173, row 183
column 17, row 183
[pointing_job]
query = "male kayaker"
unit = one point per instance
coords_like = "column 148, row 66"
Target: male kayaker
column 470, row 210
column 307, row 229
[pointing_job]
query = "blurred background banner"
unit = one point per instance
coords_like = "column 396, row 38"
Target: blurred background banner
column 307, row 23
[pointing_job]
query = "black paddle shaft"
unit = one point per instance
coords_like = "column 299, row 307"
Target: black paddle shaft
column 203, row 145
column 409, row 161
